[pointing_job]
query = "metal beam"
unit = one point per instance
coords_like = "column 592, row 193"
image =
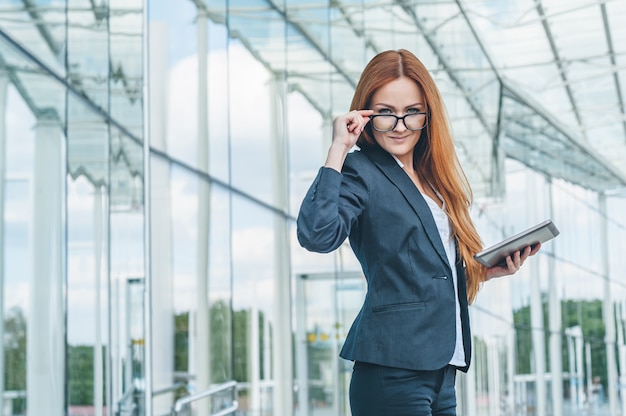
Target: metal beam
column 559, row 62
column 616, row 81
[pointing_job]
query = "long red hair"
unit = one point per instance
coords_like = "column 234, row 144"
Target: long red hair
column 435, row 158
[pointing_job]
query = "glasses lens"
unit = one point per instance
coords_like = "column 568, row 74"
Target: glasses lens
column 384, row 123
column 415, row 121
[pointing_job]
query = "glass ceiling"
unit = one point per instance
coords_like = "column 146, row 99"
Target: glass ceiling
column 544, row 79
column 539, row 81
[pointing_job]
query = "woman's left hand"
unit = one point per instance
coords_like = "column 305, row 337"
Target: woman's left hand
column 513, row 262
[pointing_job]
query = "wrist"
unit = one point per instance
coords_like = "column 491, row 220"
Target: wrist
column 339, row 147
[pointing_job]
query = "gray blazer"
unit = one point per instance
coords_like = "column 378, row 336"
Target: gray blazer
column 408, row 316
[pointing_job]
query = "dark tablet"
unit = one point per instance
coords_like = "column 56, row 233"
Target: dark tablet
column 496, row 254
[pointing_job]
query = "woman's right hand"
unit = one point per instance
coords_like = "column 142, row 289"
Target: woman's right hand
column 346, row 130
column 348, row 127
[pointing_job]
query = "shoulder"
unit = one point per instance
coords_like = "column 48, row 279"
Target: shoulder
column 355, row 155
column 371, row 159
column 357, row 159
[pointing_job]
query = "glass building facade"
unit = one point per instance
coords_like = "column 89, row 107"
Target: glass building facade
column 154, row 155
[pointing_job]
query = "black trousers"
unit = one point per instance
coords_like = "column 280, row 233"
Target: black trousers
column 377, row 390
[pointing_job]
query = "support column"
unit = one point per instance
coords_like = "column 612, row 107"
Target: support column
column 161, row 225
column 554, row 311
column 510, row 363
column 536, row 312
column 572, row 333
column 589, row 371
column 4, row 82
column 580, row 381
column 203, row 319
column 283, row 368
column 98, row 373
column 493, row 376
column 254, row 360
column 45, row 359
column 620, row 315
column 302, row 348
column 609, row 321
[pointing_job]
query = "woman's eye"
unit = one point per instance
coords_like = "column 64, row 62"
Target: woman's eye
column 412, row 110
column 384, row 111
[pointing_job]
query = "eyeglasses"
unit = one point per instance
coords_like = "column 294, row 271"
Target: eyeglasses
column 388, row 122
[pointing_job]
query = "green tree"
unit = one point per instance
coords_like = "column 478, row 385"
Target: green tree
column 15, row 355
column 181, row 342
column 585, row 313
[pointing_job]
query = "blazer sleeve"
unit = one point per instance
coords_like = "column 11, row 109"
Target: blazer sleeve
column 331, row 208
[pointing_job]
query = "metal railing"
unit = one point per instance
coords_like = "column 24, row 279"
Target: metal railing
column 185, row 401
column 168, row 389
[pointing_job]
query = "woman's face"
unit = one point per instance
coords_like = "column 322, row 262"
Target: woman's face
column 399, row 97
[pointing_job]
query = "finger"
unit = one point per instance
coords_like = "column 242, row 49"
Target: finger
column 356, row 121
column 535, row 249
column 517, row 260
column 524, row 254
column 510, row 264
column 365, row 113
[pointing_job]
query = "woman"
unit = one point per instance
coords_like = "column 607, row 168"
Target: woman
column 403, row 201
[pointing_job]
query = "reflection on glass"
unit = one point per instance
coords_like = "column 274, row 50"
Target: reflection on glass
column 254, row 304
column 326, row 305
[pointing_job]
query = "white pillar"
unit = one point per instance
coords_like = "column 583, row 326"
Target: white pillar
column 609, row 322
column 267, row 352
column 98, row 218
column 556, row 343
column 493, row 376
column 335, row 349
column 580, row 382
column 254, row 360
column 622, row 356
column 116, row 343
column 145, row 179
column 536, row 311
column 589, row 372
column 161, row 224
column 571, row 354
column 301, row 348
column 283, row 368
column 202, row 360
column 45, row 359
column 4, row 82
column 510, row 363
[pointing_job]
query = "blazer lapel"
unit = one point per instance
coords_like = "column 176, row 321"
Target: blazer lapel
column 390, row 168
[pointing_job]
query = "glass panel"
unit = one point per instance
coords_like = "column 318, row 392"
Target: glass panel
column 220, row 257
column 307, row 150
column 88, row 50
column 251, row 128
column 164, row 322
column 218, row 95
column 127, row 273
column 254, row 306
column 18, row 142
column 127, row 324
column 126, row 65
column 325, row 305
column 173, row 86
column 33, row 176
column 87, row 295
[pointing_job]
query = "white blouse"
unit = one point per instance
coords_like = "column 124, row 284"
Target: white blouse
column 443, row 225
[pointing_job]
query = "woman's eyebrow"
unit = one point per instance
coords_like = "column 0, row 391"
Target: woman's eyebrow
column 416, row 104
